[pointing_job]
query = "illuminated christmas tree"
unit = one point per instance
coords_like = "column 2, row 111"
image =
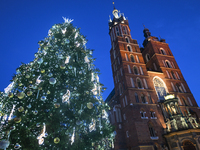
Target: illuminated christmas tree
column 55, row 102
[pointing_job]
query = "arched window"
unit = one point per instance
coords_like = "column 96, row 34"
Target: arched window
column 132, row 58
column 129, row 48
column 136, row 98
column 147, row 57
column 160, row 88
column 152, row 113
column 173, row 75
column 135, row 70
column 168, row 64
column 188, row 145
column 152, row 131
column 143, row 98
column 127, row 40
column 139, row 83
column 162, row 51
column 143, row 114
column 126, row 56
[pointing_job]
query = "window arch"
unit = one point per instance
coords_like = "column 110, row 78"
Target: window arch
column 163, row 51
column 132, row 58
column 160, row 88
column 135, row 70
column 152, row 113
column 168, row 64
column 147, row 57
column 143, row 114
column 129, row 48
column 136, row 98
column 139, row 83
column 127, row 40
column 188, row 145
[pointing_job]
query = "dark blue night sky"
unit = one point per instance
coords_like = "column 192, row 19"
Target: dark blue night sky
column 25, row 22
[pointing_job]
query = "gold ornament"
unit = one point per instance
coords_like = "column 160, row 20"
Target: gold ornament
column 56, row 105
column 20, row 95
column 89, row 105
column 10, row 95
column 93, row 143
column 62, row 66
column 20, row 109
column 56, row 140
column 20, row 84
column 29, row 93
column 42, row 71
column 27, row 76
column 48, row 92
column 30, row 81
column 17, row 120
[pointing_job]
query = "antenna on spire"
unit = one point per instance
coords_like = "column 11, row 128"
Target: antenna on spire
column 144, row 26
column 113, row 4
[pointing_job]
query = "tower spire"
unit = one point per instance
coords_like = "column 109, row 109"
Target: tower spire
column 113, row 4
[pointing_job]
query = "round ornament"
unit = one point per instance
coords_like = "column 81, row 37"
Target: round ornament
column 56, row 140
column 66, row 72
column 20, row 95
column 30, row 81
column 10, row 95
column 48, row 92
column 35, row 112
column 67, row 41
column 17, row 120
column 20, row 109
column 50, row 74
column 60, row 56
column 45, row 63
column 43, row 98
column 40, row 60
column 29, row 93
column 89, row 105
column 54, row 100
column 27, row 76
column 62, row 66
column 56, row 105
column 38, row 125
column 29, row 106
column 17, row 146
column 42, row 71
column 52, row 81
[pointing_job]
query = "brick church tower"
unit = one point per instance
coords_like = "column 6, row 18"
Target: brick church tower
column 152, row 105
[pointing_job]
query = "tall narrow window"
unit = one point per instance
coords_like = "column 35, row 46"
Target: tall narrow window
column 137, row 59
column 173, row 75
column 185, row 102
column 142, row 112
column 178, row 75
column 124, row 28
column 129, row 69
column 136, row 98
column 132, row 58
column 163, row 51
column 154, row 65
column 141, row 70
column 152, row 131
column 121, row 71
column 114, row 54
column 127, row 40
column 118, row 61
column 150, row 99
column 152, row 114
column 132, row 83
column 147, row 57
column 168, row 74
column 126, row 56
column 179, row 101
column 126, row 100
column 120, row 89
column 129, row 48
column 179, row 88
column 139, row 83
column 117, row 31
column 127, row 135
column 143, row 98
column 124, row 116
column 189, row 101
column 173, row 87
column 115, row 79
column 173, row 65
column 135, row 69
column 164, row 63
column 123, row 102
column 145, row 83
column 168, row 64
column 183, row 87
